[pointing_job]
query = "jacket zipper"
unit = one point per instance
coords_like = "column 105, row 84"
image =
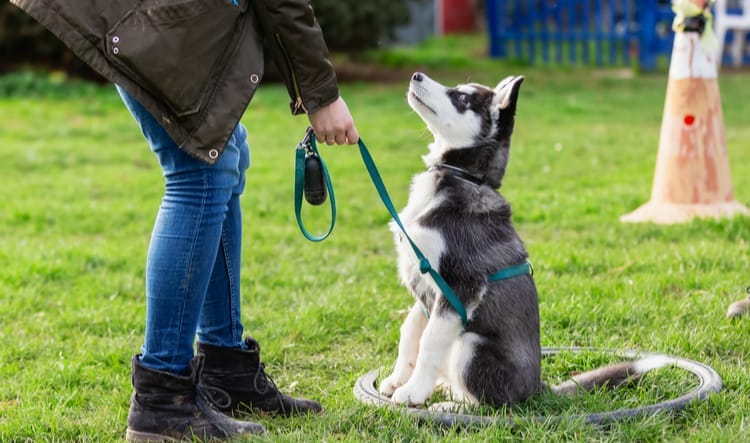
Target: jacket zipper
column 298, row 101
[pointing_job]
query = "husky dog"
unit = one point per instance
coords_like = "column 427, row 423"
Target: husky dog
column 463, row 227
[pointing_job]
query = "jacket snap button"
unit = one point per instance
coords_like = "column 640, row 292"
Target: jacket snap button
column 115, row 50
column 213, row 154
column 254, row 78
column 115, row 39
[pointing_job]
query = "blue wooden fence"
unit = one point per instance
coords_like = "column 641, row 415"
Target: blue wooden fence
column 611, row 32
column 734, row 7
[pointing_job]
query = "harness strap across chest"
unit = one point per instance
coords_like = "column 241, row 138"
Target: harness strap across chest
column 524, row 268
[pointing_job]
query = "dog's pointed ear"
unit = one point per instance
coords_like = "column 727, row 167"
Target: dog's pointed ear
column 506, row 92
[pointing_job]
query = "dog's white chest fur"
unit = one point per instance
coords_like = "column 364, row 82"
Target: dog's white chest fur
column 422, row 198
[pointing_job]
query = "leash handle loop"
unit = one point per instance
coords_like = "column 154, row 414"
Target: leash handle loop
column 306, row 147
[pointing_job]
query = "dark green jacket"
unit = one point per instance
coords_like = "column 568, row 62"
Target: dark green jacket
column 195, row 64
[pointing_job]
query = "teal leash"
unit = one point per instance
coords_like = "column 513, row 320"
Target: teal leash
column 424, row 264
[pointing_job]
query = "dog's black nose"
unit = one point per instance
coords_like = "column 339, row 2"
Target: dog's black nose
column 417, row 77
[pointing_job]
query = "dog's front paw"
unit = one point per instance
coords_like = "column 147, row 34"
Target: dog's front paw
column 412, row 394
column 390, row 384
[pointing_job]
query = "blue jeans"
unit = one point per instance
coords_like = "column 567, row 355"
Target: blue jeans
column 193, row 264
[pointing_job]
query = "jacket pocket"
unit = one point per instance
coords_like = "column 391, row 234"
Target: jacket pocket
column 174, row 48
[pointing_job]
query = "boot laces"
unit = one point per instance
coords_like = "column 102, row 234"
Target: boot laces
column 264, row 384
column 212, row 394
column 215, row 396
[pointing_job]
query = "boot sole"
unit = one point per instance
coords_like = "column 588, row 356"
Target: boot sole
column 132, row 436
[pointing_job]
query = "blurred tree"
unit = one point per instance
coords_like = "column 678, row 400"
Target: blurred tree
column 18, row 30
column 348, row 25
column 353, row 25
column 25, row 42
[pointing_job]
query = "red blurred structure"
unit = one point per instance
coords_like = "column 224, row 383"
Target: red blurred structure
column 456, row 16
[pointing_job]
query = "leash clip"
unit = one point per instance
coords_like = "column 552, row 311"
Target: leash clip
column 306, row 143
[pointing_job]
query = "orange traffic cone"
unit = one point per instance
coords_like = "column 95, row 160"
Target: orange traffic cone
column 692, row 177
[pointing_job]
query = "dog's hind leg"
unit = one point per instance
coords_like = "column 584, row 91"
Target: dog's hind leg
column 434, row 347
column 452, row 382
column 408, row 348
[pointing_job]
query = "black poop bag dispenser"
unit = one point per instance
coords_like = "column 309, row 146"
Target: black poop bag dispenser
column 312, row 181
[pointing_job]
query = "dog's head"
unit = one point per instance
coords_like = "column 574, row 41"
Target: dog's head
column 466, row 115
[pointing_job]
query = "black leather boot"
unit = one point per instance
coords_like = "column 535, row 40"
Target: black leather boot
column 168, row 408
column 241, row 374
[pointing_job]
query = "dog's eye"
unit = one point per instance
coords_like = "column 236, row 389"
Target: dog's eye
column 462, row 98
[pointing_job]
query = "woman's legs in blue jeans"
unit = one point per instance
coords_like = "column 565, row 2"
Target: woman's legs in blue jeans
column 192, row 270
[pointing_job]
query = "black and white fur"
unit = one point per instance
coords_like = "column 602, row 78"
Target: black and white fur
column 463, row 226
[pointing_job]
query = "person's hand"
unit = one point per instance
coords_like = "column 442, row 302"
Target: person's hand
column 334, row 124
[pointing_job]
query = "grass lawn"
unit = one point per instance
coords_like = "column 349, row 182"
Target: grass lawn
column 80, row 189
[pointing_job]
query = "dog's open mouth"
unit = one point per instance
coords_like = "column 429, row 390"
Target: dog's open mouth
column 421, row 102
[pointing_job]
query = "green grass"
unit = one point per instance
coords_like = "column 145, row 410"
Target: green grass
column 80, row 189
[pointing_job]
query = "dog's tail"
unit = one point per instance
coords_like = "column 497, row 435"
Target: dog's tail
column 611, row 376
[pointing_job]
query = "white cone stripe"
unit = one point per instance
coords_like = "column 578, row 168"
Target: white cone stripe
column 689, row 59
